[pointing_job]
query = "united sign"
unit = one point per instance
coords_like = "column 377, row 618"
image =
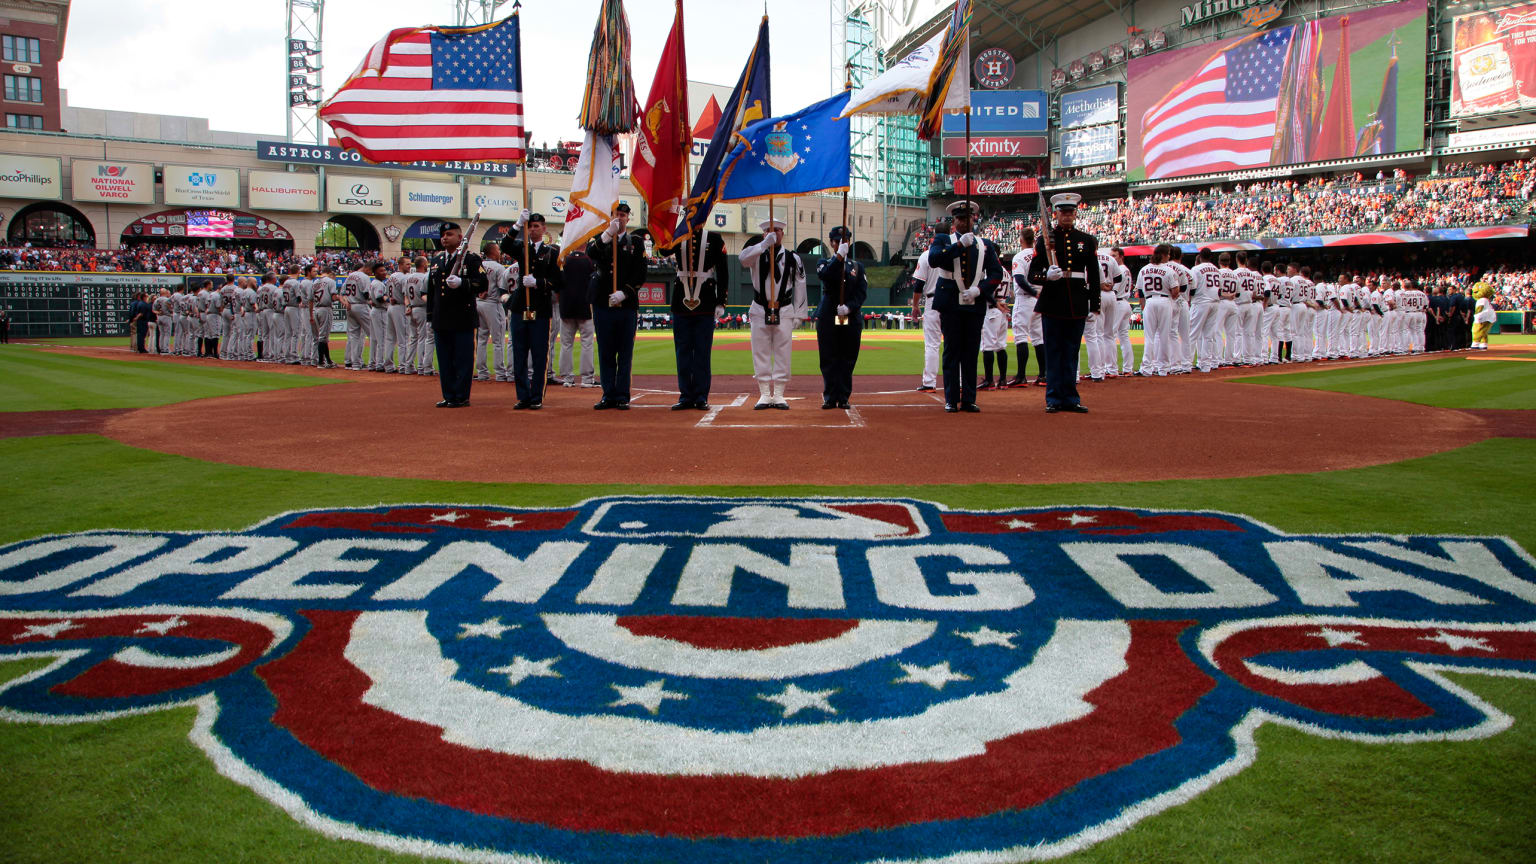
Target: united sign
column 664, row 679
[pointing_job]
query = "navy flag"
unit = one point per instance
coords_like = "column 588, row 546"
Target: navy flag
column 748, row 104
column 797, row 154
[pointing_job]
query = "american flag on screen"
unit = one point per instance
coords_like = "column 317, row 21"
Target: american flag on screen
column 1222, row 117
column 210, row 223
column 435, row 94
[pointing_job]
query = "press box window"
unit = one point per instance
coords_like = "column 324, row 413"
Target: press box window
column 23, row 121
column 20, row 49
column 23, row 88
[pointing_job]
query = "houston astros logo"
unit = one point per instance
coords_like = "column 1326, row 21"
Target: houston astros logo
column 660, row 679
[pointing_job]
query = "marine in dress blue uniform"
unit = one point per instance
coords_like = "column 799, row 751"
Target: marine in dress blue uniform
column 698, row 301
column 1069, row 293
column 843, row 290
column 962, row 257
column 451, row 309
column 535, row 288
column 616, row 310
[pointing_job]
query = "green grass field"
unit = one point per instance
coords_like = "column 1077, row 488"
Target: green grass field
column 135, row 789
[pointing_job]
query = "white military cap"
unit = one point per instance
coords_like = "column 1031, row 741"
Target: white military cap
column 1065, row 199
column 971, row 206
column 769, row 224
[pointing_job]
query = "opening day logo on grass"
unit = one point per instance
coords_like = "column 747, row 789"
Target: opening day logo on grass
column 708, row 679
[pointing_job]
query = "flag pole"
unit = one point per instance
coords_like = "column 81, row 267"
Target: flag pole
column 690, row 282
column 773, row 268
column 842, row 282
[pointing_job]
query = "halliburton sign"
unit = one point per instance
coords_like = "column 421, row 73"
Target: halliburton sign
column 995, row 145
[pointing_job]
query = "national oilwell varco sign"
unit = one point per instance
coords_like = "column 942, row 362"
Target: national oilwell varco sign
column 1256, row 13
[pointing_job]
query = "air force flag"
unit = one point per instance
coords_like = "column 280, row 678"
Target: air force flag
column 796, row 154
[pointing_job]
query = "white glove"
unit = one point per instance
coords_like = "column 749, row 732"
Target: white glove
column 612, row 230
column 719, row 312
column 967, row 239
column 454, row 281
column 971, row 293
column 1053, row 273
column 616, row 298
column 522, row 218
column 843, row 311
column 773, row 239
column 530, row 282
column 842, row 250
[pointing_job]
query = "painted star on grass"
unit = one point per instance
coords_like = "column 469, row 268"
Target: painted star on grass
column 935, row 676
column 1335, row 638
column 491, row 627
column 521, row 669
column 648, row 697
column 47, row 631
column 1458, row 643
column 985, row 635
column 450, row 517
column 504, row 522
column 1020, row 525
column 163, row 627
column 794, row 700
column 1080, row 519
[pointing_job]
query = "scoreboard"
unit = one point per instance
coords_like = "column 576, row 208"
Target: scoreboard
column 44, row 305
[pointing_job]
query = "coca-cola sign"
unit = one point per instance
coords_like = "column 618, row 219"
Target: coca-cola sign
column 1010, row 186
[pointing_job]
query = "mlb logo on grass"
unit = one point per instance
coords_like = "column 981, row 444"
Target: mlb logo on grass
column 708, row 679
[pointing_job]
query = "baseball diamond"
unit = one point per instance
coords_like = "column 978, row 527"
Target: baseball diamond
column 1025, row 437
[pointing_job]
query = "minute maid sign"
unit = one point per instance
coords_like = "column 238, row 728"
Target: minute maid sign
column 743, row 680
column 1256, row 13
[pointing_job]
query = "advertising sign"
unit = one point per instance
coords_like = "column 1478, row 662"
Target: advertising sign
column 998, row 145
column 31, row 177
column 200, row 187
column 1494, row 66
column 499, row 202
column 112, row 182
column 279, row 190
column 1009, row 186
column 553, row 204
column 1090, row 107
column 1276, row 97
column 314, row 154
column 352, row 194
column 1001, row 112
column 993, row 69
column 725, row 218
column 419, row 198
column 1094, row 145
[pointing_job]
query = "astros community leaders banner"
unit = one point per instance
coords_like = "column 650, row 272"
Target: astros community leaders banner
column 1312, row 90
column 281, row 190
column 31, row 177
column 112, row 182
column 1494, row 65
column 419, row 198
column 351, row 194
column 196, row 187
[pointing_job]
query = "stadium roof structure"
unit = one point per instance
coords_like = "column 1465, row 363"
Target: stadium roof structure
column 1034, row 22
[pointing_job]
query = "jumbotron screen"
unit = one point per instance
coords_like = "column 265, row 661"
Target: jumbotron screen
column 1333, row 88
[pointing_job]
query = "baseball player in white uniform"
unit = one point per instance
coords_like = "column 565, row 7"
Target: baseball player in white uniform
column 1250, row 314
column 1101, row 350
column 994, row 341
column 932, row 335
column 778, row 304
column 1181, row 314
column 1205, row 311
column 1122, row 335
column 1027, row 327
column 1158, row 284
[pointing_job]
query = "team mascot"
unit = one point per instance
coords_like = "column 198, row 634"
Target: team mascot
column 1482, row 320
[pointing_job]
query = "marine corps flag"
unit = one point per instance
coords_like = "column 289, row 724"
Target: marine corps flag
column 661, row 152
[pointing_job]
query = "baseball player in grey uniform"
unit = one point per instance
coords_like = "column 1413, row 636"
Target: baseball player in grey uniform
column 293, row 316
column 164, row 322
column 355, row 305
column 322, row 295
column 397, row 328
column 491, row 337
column 418, row 348
column 379, row 350
column 227, row 308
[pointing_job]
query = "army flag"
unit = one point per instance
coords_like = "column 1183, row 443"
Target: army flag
column 661, row 151
column 907, row 87
column 797, row 154
column 749, row 103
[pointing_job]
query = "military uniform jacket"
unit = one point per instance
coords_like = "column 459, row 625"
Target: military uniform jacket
column 853, row 287
column 632, row 270
column 946, row 254
column 543, row 265
column 454, row 308
column 708, row 271
column 1076, row 295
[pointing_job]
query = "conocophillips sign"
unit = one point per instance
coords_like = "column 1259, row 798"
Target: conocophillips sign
column 30, row 177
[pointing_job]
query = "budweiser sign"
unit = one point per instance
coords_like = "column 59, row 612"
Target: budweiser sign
column 1011, row 186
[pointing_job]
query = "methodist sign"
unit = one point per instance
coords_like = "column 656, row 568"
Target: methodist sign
column 418, row 198
column 280, row 190
column 1002, row 112
column 197, row 187
column 112, row 182
column 31, row 177
column 1090, row 107
column 352, row 194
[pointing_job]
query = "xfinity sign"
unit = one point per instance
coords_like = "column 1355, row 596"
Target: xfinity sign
column 1001, row 112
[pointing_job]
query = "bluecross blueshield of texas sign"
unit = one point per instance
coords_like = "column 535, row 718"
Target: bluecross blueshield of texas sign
column 658, row 679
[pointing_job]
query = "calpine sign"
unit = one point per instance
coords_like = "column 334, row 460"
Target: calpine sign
column 662, row 679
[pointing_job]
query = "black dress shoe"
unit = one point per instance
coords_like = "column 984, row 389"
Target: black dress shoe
column 445, row 404
column 464, row 404
column 828, row 405
column 970, row 408
column 701, row 405
column 925, row 389
column 843, row 404
column 622, row 406
column 1051, row 409
column 522, row 404
column 782, row 406
column 1075, row 409
column 534, row 406
column 602, row 405
column 762, row 406
column 682, row 405
column 950, row 409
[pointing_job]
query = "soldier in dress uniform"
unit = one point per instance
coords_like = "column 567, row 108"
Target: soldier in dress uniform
column 970, row 273
column 532, row 284
column 451, row 310
column 698, row 301
column 778, row 305
column 839, row 318
column 615, row 295
column 1068, row 276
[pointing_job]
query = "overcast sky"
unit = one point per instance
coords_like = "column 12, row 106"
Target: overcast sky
column 226, row 59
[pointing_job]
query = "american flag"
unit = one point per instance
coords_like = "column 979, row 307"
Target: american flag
column 210, row 223
column 1223, row 116
column 435, row 94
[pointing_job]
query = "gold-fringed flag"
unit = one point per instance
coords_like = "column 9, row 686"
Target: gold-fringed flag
column 927, row 79
column 607, row 109
column 661, row 151
column 952, row 69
